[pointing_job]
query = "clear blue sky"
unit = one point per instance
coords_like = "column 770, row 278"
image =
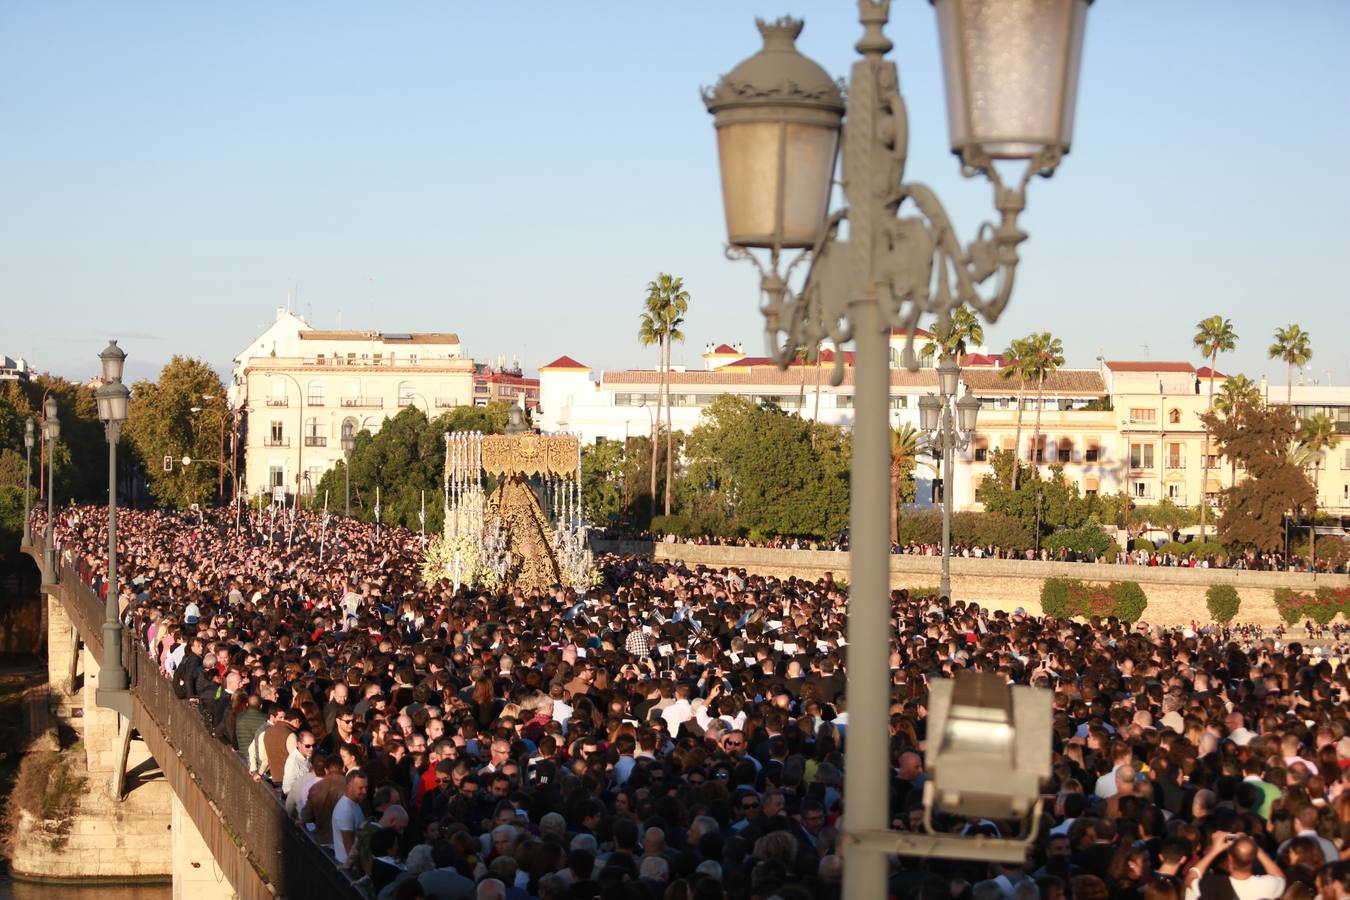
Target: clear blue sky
column 518, row 172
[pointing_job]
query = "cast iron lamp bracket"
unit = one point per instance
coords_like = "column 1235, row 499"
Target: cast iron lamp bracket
column 912, row 265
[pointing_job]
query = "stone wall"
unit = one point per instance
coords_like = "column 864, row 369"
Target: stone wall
column 1175, row 596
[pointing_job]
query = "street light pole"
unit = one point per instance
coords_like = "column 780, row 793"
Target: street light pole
column 779, row 118
column 951, row 424
column 112, row 691
column 348, row 445
column 51, row 430
column 29, row 438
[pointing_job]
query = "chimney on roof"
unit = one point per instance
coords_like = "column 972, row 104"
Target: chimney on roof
column 740, row 348
column 281, row 311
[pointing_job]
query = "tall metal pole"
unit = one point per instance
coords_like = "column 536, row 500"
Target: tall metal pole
column 112, row 677
column 347, row 473
column 946, row 436
column 49, row 532
column 28, row 440
column 867, row 764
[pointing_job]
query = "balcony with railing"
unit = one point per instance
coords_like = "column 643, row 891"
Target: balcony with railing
column 1176, row 462
column 316, row 440
column 276, row 442
column 278, row 401
column 363, row 403
column 446, row 402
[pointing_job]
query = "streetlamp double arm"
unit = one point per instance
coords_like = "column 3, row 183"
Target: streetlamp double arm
column 112, row 398
column 780, row 113
column 950, row 424
column 29, row 440
column 1011, row 83
column 51, row 430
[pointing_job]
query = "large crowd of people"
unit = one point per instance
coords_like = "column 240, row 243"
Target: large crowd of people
column 678, row 733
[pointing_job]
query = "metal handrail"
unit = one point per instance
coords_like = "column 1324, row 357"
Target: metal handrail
column 282, row 853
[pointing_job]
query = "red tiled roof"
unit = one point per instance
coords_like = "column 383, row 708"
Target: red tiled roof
column 724, row 349
column 1061, row 381
column 982, row 359
column 755, row 362
column 1203, row 373
column 769, row 375
column 565, row 362
column 1148, row 366
column 421, row 337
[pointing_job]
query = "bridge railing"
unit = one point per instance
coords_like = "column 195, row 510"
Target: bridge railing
column 226, row 804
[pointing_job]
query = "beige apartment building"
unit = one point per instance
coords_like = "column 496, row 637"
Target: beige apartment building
column 1158, row 406
column 299, row 389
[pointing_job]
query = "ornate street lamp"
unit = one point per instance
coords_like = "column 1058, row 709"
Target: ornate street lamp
column 348, row 445
column 1011, row 77
column 29, row 440
column 112, row 398
column 51, row 430
column 951, row 426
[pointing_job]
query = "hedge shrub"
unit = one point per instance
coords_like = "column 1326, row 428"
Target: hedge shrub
column 1141, row 543
column 1067, row 597
column 968, row 528
column 1321, row 606
column 1088, row 540
column 1223, row 602
column 680, row 526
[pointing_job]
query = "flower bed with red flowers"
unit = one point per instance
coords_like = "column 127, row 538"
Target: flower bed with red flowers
column 1067, row 597
column 1323, row 605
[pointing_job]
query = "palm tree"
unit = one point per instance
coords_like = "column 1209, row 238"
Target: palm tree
column 1293, row 345
column 1238, row 392
column 1213, row 336
column 668, row 301
column 1015, row 360
column 1317, row 434
column 953, row 337
column 907, row 445
column 651, row 331
column 1045, row 356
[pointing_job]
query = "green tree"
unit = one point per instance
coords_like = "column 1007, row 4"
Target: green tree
column 1017, row 364
column 1045, row 354
column 1047, row 500
column 952, row 337
column 666, row 304
column 178, row 416
column 1261, row 438
column 781, row 474
column 651, row 330
column 1317, row 434
column 907, row 443
column 1293, row 345
column 1238, row 390
column 602, row 487
column 1213, row 335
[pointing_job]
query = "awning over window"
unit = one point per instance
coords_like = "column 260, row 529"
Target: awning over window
column 1091, row 483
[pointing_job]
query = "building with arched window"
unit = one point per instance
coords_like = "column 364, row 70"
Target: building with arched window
column 298, row 387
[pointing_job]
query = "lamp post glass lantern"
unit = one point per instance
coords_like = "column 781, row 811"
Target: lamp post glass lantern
column 113, row 399
column 51, row 431
column 348, row 445
column 29, row 440
column 1011, row 72
column 951, row 427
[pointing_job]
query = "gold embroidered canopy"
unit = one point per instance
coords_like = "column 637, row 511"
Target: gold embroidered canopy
column 531, row 454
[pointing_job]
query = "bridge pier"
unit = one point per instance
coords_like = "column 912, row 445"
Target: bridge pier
column 62, row 645
column 196, row 875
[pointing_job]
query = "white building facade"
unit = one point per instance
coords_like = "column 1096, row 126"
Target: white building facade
column 299, row 389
